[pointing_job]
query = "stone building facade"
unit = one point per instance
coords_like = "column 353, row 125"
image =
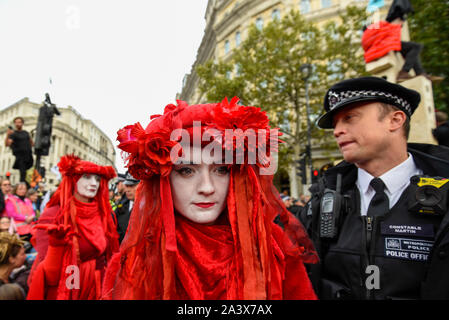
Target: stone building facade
column 71, row 133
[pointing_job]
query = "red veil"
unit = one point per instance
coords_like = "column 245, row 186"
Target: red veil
column 244, row 255
column 99, row 229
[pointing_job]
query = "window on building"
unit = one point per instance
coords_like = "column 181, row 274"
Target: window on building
column 237, row 69
column 326, row 3
column 227, row 46
column 238, row 39
column 276, row 14
column 304, row 6
column 259, row 23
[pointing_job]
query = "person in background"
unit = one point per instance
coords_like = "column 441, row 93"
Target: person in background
column 12, row 256
column 11, row 291
column 32, row 196
column 441, row 132
column 387, row 240
column 20, row 142
column 76, row 229
column 7, row 225
column 20, row 209
column 125, row 206
column 120, row 186
column 117, row 198
column 287, row 201
column 6, row 188
column 40, row 188
column 296, row 206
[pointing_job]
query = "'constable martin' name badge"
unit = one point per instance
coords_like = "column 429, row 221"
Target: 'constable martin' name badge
column 416, row 230
column 408, row 249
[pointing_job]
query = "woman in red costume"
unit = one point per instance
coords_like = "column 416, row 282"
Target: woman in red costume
column 201, row 229
column 75, row 236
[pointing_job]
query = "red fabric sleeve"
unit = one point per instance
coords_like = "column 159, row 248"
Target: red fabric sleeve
column 40, row 236
column 110, row 276
column 37, row 284
column 52, row 264
column 297, row 285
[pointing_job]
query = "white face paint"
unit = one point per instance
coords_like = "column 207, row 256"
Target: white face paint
column 199, row 191
column 87, row 186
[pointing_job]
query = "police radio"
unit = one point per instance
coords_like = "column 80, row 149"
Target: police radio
column 428, row 195
column 330, row 207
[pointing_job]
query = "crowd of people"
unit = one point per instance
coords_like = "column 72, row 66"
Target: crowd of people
column 20, row 207
column 20, row 211
column 183, row 223
column 294, row 205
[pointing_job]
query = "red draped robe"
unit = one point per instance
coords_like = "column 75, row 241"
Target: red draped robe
column 50, row 281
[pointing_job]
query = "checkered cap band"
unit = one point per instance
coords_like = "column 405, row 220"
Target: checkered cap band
column 337, row 98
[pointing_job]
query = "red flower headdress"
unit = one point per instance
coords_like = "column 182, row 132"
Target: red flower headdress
column 145, row 267
column 71, row 165
column 148, row 151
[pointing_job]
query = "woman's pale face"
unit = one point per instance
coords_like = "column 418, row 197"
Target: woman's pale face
column 87, row 186
column 199, row 191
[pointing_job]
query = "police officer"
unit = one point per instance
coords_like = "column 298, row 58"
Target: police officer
column 379, row 233
column 124, row 208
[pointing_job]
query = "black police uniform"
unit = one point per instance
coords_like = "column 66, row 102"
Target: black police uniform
column 122, row 214
column 122, row 211
column 411, row 250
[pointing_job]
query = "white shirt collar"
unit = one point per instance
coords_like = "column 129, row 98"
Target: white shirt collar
column 394, row 179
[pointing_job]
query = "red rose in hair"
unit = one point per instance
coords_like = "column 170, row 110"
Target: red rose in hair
column 149, row 149
column 157, row 147
column 249, row 120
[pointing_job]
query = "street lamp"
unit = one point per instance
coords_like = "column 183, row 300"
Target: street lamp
column 306, row 71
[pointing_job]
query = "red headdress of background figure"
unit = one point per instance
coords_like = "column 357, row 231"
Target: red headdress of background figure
column 74, row 238
column 244, row 256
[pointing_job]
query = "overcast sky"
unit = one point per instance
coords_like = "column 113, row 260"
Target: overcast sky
column 115, row 62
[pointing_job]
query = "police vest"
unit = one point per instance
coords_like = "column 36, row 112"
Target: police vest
column 379, row 258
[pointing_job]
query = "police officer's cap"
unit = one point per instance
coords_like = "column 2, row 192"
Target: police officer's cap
column 367, row 89
column 130, row 180
column 121, row 177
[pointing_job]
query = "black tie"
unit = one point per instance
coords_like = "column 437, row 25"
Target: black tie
column 379, row 204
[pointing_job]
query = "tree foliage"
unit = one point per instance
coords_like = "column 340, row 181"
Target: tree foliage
column 429, row 26
column 264, row 71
